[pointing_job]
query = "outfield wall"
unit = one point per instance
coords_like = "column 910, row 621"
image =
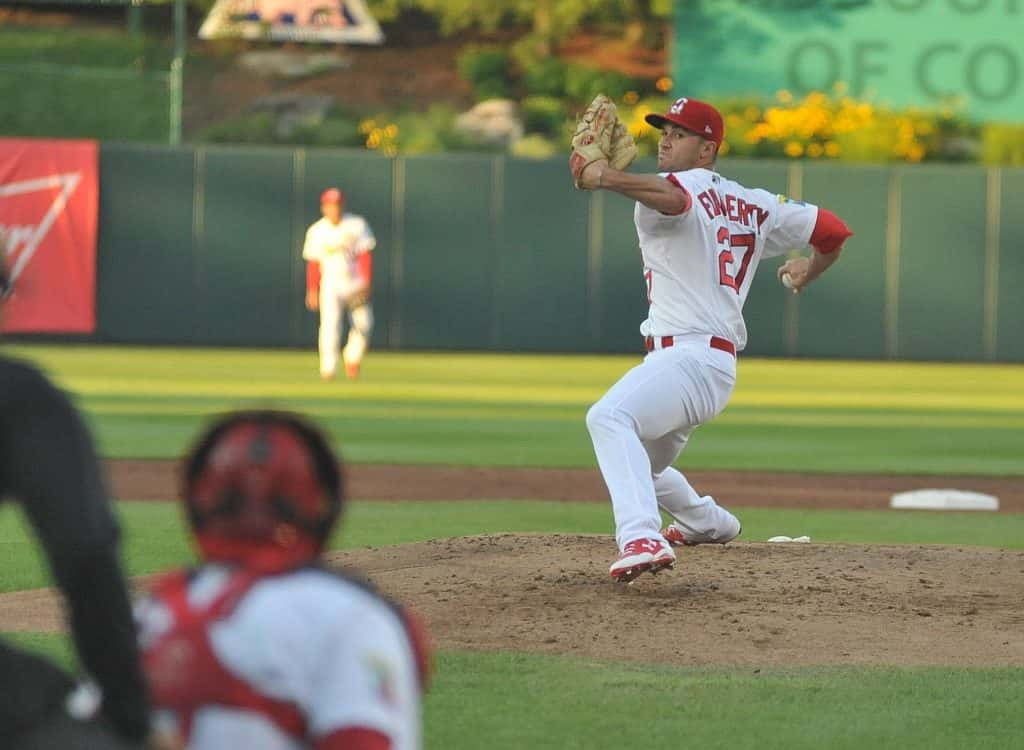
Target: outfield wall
column 202, row 246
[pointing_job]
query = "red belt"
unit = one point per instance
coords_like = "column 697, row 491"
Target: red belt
column 717, row 342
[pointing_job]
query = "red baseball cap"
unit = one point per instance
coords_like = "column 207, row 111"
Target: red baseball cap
column 332, row 195
column 696, row 116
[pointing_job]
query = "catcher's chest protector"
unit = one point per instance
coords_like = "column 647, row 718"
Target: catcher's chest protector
column 184, row 671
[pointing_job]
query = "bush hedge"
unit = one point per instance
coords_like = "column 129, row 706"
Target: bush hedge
column 818, row 126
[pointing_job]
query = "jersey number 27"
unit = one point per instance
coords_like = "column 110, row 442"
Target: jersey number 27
column 742, row 242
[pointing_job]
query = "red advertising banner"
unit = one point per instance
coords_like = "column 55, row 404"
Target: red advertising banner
column 49, row 201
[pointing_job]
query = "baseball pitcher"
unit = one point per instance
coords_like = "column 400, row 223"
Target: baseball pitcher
column 262, row 647
column 339, row 271
column 701, row 238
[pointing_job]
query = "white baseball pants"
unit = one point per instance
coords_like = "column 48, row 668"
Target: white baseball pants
column 641, row 425
column 360, row 328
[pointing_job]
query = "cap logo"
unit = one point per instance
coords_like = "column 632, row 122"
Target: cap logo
column 677, row 107
column 707, row 129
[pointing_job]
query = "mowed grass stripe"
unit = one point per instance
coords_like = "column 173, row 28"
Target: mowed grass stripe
column 529, row 410
column 736, row 414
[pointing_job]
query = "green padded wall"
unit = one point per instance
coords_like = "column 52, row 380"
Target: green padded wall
column 145, row 264
column 448, row 258
column 202, row 246
column 623, row 293
column 540, row 269
column 1010, row 277
column 942, row 263
column 245, row 247
column 842, row 314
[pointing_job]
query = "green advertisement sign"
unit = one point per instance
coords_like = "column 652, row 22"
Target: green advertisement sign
column 923, row 53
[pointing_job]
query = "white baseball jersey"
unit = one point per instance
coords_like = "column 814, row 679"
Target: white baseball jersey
column 698, row 266
column 273, row 663
column 337, row 247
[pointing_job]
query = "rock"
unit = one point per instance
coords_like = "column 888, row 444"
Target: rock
column 494, row 121
column 292, row 111
column 287, row 64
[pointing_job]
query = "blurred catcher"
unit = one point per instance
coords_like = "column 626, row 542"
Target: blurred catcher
column 339, row 272
column 262, row 647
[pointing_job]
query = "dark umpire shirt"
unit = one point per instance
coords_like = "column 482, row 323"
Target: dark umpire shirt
column 49, row 465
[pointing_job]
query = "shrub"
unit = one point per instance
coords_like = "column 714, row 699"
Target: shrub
column 487, row 69
column 545, row 115
column 832, row 126
column 338, row 131
column 252, row 128
column 535, row 146
column 545, row 77
column 1002, row 143
column 583, row 84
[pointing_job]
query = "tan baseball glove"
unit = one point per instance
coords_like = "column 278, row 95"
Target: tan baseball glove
column 600, row 136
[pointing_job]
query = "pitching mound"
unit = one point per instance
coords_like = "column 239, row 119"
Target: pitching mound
column 748, row 604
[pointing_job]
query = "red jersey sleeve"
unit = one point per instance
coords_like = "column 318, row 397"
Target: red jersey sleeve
column 365, row 266
column 829, row 232
column 312, row 276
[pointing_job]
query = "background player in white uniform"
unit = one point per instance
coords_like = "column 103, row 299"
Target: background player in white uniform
column 261, row 647
column 701, row 238
column 339, row 272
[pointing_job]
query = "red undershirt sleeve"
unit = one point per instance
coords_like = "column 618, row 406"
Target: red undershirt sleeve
column 312, row 276
column 365, row 265
column 829, row 232
column 354, row 738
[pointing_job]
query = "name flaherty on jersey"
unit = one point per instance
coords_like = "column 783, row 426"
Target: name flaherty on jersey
column 698, row 265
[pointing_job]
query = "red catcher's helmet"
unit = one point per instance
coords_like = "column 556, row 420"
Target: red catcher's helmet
column 262, row 489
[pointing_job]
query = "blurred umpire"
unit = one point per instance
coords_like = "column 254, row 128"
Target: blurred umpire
column 49, row 465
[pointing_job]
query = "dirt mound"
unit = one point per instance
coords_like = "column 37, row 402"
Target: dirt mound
column 748, row 604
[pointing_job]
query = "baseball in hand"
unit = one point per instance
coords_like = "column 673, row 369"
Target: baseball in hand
column 787, row 281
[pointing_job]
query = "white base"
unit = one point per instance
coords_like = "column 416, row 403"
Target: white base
column 943, row 500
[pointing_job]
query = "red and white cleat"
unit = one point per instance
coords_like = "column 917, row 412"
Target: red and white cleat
column 641, row 556
column 677, row 536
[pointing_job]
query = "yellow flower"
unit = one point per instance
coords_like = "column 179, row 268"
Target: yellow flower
column 916, row 152
column 391, row 130
column 367, row 126
column 815, row 150
column 794, row 149
column 724, row 149
column 631, row 97
column 663, row 84
column 832, row 149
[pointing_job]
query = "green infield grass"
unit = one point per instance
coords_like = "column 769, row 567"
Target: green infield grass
column 529, row 410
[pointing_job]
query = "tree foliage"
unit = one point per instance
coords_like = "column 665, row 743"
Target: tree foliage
column 550, row 18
